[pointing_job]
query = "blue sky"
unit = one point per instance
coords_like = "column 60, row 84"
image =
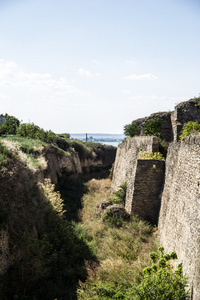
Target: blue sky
column 96, row 65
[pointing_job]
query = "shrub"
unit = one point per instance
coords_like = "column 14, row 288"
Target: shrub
column 33, row 131
column 196, row 100
column 152, row 155
column 10, row 125
column 160, row 282
column 120, row 195
column 190, row 127
column 153, row 127
column 112, row 220
column 131, row 130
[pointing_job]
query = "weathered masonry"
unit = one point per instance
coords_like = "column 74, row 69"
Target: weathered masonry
column 179, row 219
column 147, row 186
column 144, row 178
column 126, row 158
column 177, row 191
column 173, row 121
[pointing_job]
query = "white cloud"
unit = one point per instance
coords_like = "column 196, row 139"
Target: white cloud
column 156, row 98
column 12, row 76
column 131, row 62
column 96, row 62
column 147, row 76
column 4, row 98
column 126, row 92
column 87, row 73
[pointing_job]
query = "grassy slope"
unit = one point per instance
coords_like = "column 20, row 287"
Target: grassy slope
column 121, row 253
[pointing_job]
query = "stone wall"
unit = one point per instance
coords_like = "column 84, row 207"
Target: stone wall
column 183, row 113
column 179, row 219
column 126, row 156
column 144, row 198
column 166, row 131
column 173, row 121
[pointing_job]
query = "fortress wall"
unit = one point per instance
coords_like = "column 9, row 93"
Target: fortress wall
column 125, row 162
column 144, row 199
column 179, row 219
column 183, row 113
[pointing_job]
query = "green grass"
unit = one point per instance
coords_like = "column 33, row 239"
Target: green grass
column 27, row 145
column 28, row 149
column 122, row 253
column 5, row 154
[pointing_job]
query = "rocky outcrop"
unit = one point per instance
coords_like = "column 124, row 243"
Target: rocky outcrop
column 60, row 162
column 173, row 121
column 166, row 132
column 183, row 113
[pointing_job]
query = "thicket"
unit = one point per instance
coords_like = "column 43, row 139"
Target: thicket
column 10, row 125
column 153, row 127
column 130, row 130
column 149, row 127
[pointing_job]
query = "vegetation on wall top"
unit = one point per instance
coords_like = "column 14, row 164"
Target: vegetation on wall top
column 130, row 130
column 190, row 127
column 153, row 155
column 153, row 127
column 149, row 127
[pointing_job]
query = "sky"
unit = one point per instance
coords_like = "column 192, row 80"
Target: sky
column 95, row 65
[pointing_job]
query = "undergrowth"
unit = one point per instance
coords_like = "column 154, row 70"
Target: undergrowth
column 5, row 154
column 28, row 150
column 121, row 252
column 120, row 271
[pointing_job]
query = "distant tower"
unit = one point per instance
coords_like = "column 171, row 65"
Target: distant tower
column 86, row 137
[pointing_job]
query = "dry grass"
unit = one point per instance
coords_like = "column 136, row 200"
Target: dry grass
column 28, row 159
column 122, row 253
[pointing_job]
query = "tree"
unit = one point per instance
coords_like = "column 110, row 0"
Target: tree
column 131, row 130
column 10, row 125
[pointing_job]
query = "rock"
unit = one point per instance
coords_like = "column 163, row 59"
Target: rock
column 103, row 205
column 117, row 210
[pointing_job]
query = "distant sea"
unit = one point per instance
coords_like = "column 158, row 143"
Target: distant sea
column 103, row 138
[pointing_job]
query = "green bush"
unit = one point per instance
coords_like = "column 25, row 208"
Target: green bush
column 131, row 130
column 190, row 127
column 10, row 125
column 112, row 220
column 153, row 127
column 120, row 195
column 196, row 100
column 151, row 155
column 33, row 131
column 160, row 281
